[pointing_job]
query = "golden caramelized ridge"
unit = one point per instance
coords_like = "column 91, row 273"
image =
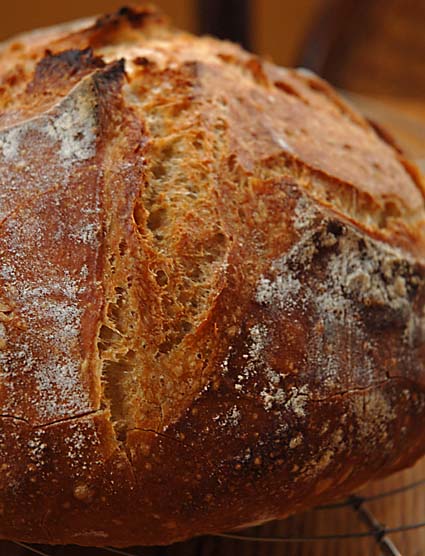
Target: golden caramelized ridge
column 211, row 288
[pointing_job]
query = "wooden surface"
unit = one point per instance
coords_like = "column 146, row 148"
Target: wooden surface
column 406, row 120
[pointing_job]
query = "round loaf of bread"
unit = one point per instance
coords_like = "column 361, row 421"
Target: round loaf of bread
column 211, row 288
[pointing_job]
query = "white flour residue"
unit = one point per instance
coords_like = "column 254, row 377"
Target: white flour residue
column 230, row 419
column 86, row 234
column 2, row 334
column 56, row 376
column 258, row 340
column 37, row 448
column 225, row 363
column 82, row 440
column 281, row 292
column 10, row 142
column 333, row 273
column 46, row 299
column 298, row 399
column 293, row 399
column 42, row 152
column 305, row 215
column 74, row 128
column 71, row 125
column 46, row 293
column 272, row 394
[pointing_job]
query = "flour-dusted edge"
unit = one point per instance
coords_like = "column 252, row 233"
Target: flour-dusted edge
column 211, row 288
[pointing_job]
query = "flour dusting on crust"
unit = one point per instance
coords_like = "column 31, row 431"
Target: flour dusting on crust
column 338, row 275
column 71, row 125
column 48, row 253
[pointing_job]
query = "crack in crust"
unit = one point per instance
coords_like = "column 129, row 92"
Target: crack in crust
column 51, row 423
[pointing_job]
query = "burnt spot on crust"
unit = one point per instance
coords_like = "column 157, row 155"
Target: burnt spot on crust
column 335, row 228
column 119, row 26
column 113, row 74
column 137, row 18
column 57, row 74
column 108, row 84
column 64, row 68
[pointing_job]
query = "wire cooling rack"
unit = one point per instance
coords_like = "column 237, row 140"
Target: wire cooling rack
column 382, row 536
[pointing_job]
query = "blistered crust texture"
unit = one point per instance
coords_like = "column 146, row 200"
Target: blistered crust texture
column 211, row 288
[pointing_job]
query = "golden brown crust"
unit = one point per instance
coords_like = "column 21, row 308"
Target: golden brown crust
column 211, row 289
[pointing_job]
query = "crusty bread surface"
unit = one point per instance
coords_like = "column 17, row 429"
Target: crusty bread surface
column 211, row 288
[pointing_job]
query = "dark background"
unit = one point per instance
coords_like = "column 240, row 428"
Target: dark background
column 278, row 25
column 376, row 47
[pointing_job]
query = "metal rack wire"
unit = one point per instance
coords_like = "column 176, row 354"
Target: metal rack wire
column 375, row 530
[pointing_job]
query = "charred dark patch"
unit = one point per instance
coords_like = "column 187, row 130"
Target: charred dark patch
column 335, row 228
column 378, row 317
column 110, row 80
column 65, row 68
column 108, row 84
column 141, row 61
column 135, row 17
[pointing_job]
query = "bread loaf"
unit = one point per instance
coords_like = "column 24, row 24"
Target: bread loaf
column 211, row 288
